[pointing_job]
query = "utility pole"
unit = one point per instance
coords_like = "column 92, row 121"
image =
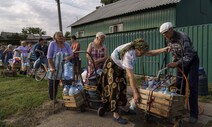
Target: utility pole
column 59, row 15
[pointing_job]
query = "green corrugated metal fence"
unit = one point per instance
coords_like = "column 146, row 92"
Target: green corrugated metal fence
column 201, row 36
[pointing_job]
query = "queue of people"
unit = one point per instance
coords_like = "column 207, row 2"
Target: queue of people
column 118, row 66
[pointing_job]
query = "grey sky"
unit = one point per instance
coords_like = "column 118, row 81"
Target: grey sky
column 16, row 14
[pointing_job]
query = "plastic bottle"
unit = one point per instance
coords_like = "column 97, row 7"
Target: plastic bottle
column 173, row 92
column 71, row 91
column 65, row 90
column 166, row 91
column 150, row 83
column 79, row 85
column 68, row 71
column 162, row 90
column 144, row 85
column 132, row 104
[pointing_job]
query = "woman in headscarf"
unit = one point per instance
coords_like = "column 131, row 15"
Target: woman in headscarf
column 116, row 68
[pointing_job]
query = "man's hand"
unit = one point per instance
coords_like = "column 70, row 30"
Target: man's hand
column 172, row 65
column 167, row 49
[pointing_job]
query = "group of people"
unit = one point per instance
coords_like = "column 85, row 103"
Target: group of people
column 10, row 54
column 120, row 64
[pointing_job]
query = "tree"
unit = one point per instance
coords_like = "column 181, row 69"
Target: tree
column 67, row 34
column 32, row 30
column 105, row 2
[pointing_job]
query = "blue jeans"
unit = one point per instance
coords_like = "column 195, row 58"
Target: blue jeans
column 192, row 69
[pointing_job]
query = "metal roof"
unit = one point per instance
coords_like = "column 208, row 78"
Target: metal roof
column 122, row 7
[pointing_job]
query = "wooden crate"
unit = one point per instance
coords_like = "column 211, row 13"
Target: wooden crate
column 162, row 105
column 74, row 101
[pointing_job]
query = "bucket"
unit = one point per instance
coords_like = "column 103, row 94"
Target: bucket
column 94, row 80
column 203, row 82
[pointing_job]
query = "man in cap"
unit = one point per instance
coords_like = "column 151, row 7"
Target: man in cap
column 186, row 58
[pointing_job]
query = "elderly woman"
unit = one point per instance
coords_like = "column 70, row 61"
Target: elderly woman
column 98, row 52
column 115, row 69
column 8, row 53
column 23, row 50
column 58, row 51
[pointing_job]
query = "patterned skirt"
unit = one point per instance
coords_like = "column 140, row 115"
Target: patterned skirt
column 114, row 85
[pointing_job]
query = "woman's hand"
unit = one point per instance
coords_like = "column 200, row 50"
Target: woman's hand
column 136, row 96
column 52, row 70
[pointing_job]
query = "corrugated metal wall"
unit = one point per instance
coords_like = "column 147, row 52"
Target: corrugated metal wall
column 198, row 13
column 201, row 36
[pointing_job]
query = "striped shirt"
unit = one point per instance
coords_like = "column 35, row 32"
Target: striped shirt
column 58, row 55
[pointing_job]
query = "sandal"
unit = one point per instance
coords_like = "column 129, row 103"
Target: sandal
column 120, row 120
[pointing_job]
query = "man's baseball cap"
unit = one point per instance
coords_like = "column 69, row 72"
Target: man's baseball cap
column 165, row 27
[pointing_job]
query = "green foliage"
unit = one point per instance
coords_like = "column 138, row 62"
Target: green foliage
column 67, row 34
column 20, row 94
column 16, row 36
column 32, row 30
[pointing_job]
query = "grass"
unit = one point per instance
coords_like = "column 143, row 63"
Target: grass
column 20, row 94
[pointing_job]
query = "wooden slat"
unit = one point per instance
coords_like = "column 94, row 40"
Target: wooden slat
column 162, row 105
column 157, row 100
column 73, row 101
column 159, row 95
column 159, row 112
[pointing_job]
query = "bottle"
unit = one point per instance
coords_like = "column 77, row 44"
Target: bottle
column 144, row 85
column 150, row 83
column 79, row 85
column 65, row 90
column 173, row 92
column 71, row 91
column 68, row 71
column 166, row 91
column 132, row 104
column 162, row 90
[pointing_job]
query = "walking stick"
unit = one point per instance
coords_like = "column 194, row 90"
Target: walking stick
column 54, row 94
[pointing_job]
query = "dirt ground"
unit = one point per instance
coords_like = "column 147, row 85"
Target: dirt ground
column 44, row 116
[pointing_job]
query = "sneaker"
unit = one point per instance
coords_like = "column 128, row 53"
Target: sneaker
column 120, row 120
column 192, row 120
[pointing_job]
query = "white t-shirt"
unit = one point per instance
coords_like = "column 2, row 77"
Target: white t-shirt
column 128, row 59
